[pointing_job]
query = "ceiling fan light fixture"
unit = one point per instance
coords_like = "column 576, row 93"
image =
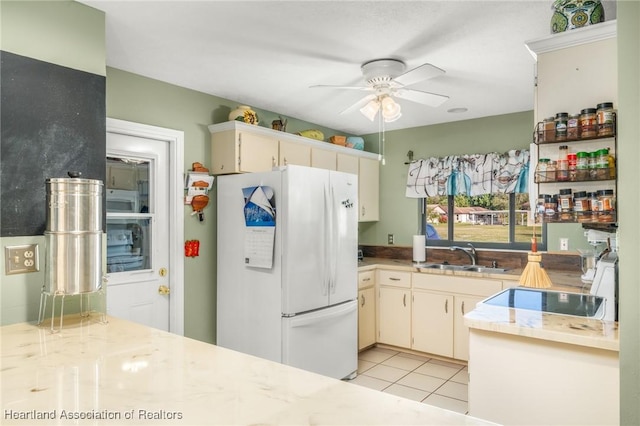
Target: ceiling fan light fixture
column 370, row 109
column 391, row 110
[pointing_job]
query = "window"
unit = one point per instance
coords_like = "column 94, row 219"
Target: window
column 488, row 221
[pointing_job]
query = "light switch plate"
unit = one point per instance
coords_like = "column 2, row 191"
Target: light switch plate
column 21, row 259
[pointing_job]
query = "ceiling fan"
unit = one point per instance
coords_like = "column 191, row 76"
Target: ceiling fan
column 387, row 79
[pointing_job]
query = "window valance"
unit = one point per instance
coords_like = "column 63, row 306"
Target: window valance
column 471, row 175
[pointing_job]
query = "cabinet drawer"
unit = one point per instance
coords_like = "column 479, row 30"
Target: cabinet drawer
column 366, row 279
column 394, row 278
column 453, row 284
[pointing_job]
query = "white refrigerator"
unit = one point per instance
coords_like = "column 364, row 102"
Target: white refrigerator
column 288, row 292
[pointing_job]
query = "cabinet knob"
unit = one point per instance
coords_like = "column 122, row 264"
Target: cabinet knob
column 404, row 299
column 446, row 306
column 362, row 296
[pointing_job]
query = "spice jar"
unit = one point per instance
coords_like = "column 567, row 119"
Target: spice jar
column 561, row 125
column 606, row 205
column 562, row 171
column 612, row 165
column 602, row 164
column 606, row 119
column 582, row 166
column 551, row 171
column 572, row 161
column 550, row 208
column 588, row 123
column 581, row 206
column 541, row 170
column 573, row 122
column 593, row 205
column 593, row 162
column 549, row 129
column 565, row 204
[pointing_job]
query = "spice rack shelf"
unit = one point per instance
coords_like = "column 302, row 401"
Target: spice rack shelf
column 598, row 180
column 540, row 139
column 569, row 182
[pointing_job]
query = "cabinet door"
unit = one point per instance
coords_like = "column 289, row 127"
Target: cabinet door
column 368, row 190
column 432, row 321
column 294, row 153
column 323, row 159
column 347, row 163
column 463, row 304
column 258, row 153
column 366, row 318
column 224, row 152
column 394, row 316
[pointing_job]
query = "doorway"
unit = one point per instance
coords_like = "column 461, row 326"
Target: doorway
column 145, row 216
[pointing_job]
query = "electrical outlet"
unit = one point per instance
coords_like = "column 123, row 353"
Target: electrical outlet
column 21, row 259
column 564, row 244
column 390, row 238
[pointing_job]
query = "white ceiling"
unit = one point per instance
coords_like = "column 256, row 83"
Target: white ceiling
column 266, row 54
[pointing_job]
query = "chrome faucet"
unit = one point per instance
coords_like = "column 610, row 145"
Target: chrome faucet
column 473, row 255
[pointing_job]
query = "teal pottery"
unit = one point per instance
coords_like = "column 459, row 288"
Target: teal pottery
column 355, row 142
column 571, row 14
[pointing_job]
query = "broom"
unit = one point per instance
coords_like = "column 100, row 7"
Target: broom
column 534, row 275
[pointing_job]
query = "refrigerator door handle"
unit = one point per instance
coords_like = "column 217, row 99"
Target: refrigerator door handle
column 333, row 252
column 327, row 243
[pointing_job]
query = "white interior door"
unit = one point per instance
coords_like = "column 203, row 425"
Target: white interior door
column 140, row 276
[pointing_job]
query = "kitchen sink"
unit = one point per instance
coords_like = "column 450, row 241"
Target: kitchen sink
column 444, row 267
column 472, row 268
column 477, row 268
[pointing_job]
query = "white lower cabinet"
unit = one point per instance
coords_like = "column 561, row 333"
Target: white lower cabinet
column 366, row 318
column 439, row 305
column 394, row 316
column 462, row 305
column 424, row 312
column 432, row 318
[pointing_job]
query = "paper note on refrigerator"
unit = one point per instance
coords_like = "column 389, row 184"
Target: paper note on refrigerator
column 260, row 226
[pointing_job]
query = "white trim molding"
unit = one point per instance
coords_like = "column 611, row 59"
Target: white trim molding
column 175, row 138
column 588, row 34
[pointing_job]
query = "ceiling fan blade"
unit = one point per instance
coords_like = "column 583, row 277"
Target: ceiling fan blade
column 423, row 72
column 420, row 97
column 325, row 86
column 358, row 104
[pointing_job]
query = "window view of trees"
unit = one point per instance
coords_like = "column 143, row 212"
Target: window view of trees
column 494, row 220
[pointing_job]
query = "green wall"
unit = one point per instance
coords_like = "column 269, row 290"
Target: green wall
column 63, row 33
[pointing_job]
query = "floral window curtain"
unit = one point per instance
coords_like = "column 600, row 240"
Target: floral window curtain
column 471, row 175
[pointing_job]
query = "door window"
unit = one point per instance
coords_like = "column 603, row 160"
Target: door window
column 129, row 215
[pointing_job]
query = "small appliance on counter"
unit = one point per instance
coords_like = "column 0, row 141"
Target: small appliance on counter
column 601, row 270
column 605, row 284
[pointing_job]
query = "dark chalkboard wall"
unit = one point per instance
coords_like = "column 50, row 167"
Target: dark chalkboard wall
column 53, row 121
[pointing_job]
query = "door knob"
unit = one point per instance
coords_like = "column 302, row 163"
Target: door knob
column 164, row 290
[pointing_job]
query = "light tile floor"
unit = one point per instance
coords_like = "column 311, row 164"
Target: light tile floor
column 429, row 380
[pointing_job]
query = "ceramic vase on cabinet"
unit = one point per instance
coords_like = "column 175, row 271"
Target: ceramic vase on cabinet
column 244, row 113
column 571, row 14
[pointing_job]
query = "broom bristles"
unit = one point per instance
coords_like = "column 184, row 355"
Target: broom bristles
column 534, row 275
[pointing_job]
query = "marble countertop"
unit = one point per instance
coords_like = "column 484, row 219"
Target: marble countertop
column 125, row 373
column 568, row 329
